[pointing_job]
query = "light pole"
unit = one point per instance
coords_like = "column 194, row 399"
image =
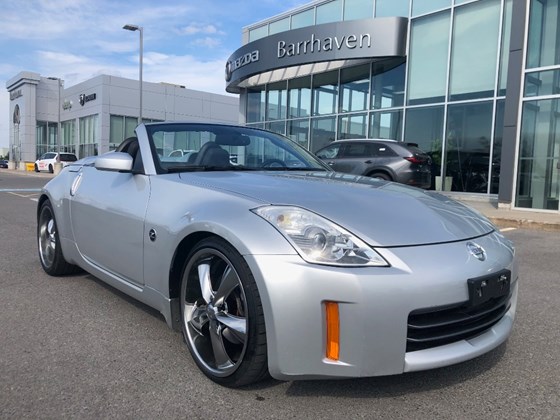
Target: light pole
column 129, row 27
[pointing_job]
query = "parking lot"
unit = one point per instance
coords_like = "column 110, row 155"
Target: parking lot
column 74, row 347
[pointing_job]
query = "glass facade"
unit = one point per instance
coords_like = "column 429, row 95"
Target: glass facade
column 88, row 136
column 448, row 95
column 538, row 164
column 46, row 133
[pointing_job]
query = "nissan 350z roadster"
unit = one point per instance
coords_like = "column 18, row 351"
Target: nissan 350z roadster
column 272, row 264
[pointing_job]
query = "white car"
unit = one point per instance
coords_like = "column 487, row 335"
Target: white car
column 47, row 160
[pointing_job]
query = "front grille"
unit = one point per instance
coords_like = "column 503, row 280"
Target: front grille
column 434, row 327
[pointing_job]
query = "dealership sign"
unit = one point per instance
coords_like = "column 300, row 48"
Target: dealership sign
column 358, row 39
column 83, row 98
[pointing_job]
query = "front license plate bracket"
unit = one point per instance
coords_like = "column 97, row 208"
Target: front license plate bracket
column 492, row 286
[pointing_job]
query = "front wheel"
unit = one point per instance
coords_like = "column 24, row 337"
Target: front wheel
column 36, row 168
column 222, row 316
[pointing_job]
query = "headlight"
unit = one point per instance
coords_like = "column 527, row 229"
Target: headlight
column 318, row 240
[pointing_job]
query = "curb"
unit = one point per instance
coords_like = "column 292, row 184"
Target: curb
column 525, row 224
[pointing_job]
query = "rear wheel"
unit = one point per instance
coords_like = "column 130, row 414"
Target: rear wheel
column 222, row 316
column 48, row 240
column 381, row 175
column 51, row 169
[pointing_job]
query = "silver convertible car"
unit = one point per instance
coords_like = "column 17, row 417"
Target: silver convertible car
column 272, row 264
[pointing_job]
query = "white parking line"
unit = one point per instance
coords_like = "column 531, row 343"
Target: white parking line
column 507, row 229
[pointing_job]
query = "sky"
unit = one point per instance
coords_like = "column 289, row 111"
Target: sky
column 186, row 42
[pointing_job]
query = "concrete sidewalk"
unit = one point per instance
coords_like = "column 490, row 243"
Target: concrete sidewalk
column 504, row 217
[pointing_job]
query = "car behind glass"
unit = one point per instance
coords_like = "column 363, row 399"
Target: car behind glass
column 384, row 159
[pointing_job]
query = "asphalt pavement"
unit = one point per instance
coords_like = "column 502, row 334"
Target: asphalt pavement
column 73, row 347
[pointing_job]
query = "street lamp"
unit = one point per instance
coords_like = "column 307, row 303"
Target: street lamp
column 129, row 27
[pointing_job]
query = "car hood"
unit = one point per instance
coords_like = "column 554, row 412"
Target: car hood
column 381, row 213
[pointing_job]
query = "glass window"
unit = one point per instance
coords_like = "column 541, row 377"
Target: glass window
column 329, row 12
column 424, row 126
column 325, row 93
column 386, row 125
column 497, row 149
column 429, row 44
column 67, row 131
column 542, row 83
column 303, row 19
column 299, row 93
column 279, row 26
column 358, row 9
column 504, row 52
column 323, row 131
column 256, row 101
column 387, row 84
column 330, row 152
column 544, row 33
column 474, row 50
column 277, row 101
column 298, row 131
column 88, row 136
column 419, row 7
column 46, row 137
column 391, row 8
column 277, row 127
column 467, row 146
column 354, row 88
column 538, row 182
column 352, row 126
column 258, row 33
column 116, row 131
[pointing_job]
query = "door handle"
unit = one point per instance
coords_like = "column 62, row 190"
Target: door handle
column 368, row 161
column 331, row 163
column 558, row 165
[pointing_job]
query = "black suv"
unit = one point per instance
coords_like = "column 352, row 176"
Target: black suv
column 385, row 159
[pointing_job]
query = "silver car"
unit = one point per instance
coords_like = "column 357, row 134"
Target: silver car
column 276, row 265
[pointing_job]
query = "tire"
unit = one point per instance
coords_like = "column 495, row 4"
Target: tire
column 51, row 169
column 381, row 175
column 222, row 316
column 48, row 241
column 36, row 168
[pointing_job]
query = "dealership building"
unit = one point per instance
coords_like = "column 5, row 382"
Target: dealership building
column 95, row 116
column 476, row 84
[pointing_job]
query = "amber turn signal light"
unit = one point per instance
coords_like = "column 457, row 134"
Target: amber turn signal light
column 333, row 330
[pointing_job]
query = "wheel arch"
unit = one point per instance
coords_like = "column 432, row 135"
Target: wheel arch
column 180, row 257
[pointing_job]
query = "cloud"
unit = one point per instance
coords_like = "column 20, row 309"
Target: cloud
column 207, row 42
column 197, row 28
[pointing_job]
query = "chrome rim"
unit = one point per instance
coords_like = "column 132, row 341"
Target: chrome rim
column 215, row 312
column 47, row 237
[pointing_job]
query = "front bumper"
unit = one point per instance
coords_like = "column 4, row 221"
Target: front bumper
column 374, row 304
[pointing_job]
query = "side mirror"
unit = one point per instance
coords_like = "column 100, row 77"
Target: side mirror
column 114, row 161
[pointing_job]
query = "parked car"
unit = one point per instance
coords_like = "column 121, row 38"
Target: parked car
column 47, row 160
column 384, row 159
column 277, row 264
column 3, row 163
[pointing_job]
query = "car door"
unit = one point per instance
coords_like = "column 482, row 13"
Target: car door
column 329, row 155
column 107, row 212
column 354, row 158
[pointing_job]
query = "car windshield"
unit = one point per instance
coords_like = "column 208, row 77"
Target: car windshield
column 198, row 147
